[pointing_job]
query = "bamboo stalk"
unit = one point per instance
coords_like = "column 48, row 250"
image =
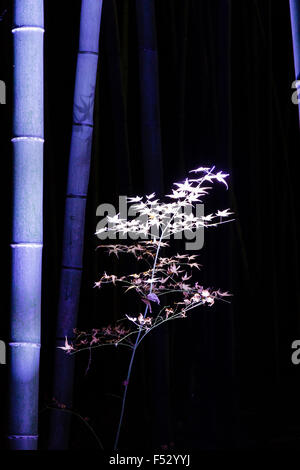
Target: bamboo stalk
column 77, row 187
column 295, row 23
column 149, row 96
column 27, row 228
column 182, row 80
column 112, row 48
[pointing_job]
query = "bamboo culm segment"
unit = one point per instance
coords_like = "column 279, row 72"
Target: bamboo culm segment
column 74, row 221
column 27, row 223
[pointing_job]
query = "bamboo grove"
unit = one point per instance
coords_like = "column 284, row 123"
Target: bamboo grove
column 27, row 198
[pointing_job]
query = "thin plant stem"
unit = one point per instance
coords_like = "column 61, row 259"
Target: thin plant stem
column 79, row 417
column 126, row 387
column 134, row 351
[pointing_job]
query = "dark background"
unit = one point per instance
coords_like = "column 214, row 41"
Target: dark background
column 225, row 97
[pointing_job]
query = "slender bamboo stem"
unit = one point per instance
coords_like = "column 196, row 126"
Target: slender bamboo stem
column 149, row 96
column 77, row 187
column 112, row 46
column 27, row 228
column 295, row 22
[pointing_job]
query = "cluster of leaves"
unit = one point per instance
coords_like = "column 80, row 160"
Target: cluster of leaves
column 164, row 276
column 163, row 219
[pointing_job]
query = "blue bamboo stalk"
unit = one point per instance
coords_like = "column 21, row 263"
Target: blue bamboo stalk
column 27, row 227
column 295, row 22
column 77, row 187
column 111, row 41
column 149, row 96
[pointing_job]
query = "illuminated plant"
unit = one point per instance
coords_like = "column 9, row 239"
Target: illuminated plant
column 157, row 221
